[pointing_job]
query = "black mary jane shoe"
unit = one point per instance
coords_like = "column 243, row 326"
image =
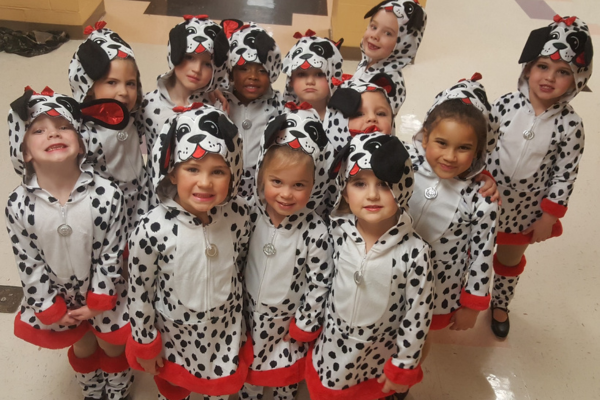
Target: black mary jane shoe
column 500, row 329
column 397, row 396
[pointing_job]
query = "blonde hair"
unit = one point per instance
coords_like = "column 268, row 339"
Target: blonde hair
column 282, row 157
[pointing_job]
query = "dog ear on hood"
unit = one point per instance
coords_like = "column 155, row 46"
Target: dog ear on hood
column 275, row 125
column 93, row 59
column 388, row 161
column 345, row 100
column 535, row 43
column 264, row 43
column 339, row 158
column 178, row 41
column 21, row 106
column 229, row 131
column 167, row 148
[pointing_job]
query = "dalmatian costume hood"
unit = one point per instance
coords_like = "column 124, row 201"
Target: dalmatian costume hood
column 87, row 231
column 92, row 59
column 412, row 20
column 288, row 281
column 379, row 308
column 346, row 102
column 313, row 52
column 191, row 258
column 442, row 209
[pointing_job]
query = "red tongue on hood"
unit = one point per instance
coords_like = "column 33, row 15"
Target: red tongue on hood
column 354, row 170
column 53, row 113
column 555, row 56
column 241, row 61
column 199, row 152
column 305, row 65
column 121, row 54
column 200, row 49
column 295, row 144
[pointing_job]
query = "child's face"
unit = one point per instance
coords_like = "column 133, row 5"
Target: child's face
column 450, row 148
column 120, row 83
column 250, row 81
column 310, row 85
column 374, row 110
column 370, row 199
column 201, row 184
column 380, row 37
column 549, row 80
column 51, row 140
column 195, row 71
column 287, row 190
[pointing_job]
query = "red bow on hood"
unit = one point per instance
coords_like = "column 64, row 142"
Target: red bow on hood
column 294, row 107
column 369, row 129
column 338, row 82
column 187, row 17
column 569, row 21
column 97, row 26
column 476, row 76
column 308, row 33
column 230, row 27
column 180, row 109
column 46, row 92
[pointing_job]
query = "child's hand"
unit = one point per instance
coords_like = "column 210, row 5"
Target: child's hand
column 464, row 318
column 542, row 228
column 84, row 313
column 68, row 320
column 489, row 188
column 217, row 95
column 391, row 386
column 151, row 366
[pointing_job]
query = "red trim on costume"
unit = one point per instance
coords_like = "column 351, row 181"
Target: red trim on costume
column 47, row 338
column 278, row 377
column 488, row 173
column 440, row 321
column 113, row 365
column 118, row 337
column 370, row 389
column 85, row 365
column 552, row 208
column 402, row 376
column 520, row 239
column 171, row 392
column 102, row 302
column 503, row 270
column 474, row 302
column 144, row 351
column 302, row 336
column 54, row 313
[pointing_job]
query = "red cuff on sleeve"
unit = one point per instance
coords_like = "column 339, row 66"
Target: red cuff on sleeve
column 54, row 313
column 402, row 376
column 144, row 351
column 552, row 208
column 479, row 303
column 102, row 302
column 488, row 173
column 302, row 336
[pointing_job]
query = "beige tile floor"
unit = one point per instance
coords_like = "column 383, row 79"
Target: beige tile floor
column 553, row 351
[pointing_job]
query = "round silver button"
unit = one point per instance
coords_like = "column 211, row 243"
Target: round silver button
column 528, row 134
column 430, row 193
column 122, row 136
column 269, row 249
column 247, row 124
column 211, row 250
column 64, row 230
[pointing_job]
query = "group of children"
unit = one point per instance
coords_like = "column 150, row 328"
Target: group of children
column 272, row 238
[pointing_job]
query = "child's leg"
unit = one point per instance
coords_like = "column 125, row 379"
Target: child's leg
column 84, row 357
column 117, row 374
column 285, row 392
column 251, row 392
column 509, row 263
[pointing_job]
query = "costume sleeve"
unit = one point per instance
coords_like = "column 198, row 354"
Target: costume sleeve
column 109, row 241
column 306, row 325
column 40, row 293
column 566, row 166
column 484, row 212
column 404, row 368
column 244, row 210
column 143, row 271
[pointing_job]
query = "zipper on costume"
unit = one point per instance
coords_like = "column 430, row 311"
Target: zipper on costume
column 426, row 207
column 63, row 213
column 357, row 292
column 265, row 269
column 525, row 147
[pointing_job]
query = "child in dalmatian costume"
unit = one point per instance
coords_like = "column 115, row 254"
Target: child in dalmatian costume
column 68, row 241
column 449, row 212
column 536, row 160
column 411, row 22
column 251, row 44
column 114, row 154
column 186, row 291
column 289, row 267
column 196, row 35
column 380, row 305
column 313, row 55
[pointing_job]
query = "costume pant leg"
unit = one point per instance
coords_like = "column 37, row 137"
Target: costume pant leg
column 506, row 279
column 285, row 392
column 88, row 373
column 251, row 392
column 117, row 375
